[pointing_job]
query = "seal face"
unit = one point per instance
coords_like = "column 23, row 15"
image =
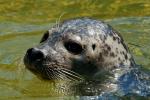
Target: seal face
column 80, row 46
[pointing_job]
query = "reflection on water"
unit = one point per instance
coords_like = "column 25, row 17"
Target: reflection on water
column 22, row 24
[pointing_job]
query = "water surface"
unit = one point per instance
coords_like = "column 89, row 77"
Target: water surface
column 23, row 22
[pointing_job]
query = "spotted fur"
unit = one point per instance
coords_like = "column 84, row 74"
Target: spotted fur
column 103, row 47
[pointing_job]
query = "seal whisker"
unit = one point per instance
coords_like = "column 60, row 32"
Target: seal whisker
column 71, row 74
column 60, row 75
column 66, row 76
column 50, row 73
column 58, row 21
column 55, row 76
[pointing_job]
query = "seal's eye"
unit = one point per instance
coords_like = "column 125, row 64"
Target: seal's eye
column 73, row 47
column 45, row 37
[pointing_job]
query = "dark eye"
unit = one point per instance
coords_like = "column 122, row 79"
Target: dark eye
column 45, row 37
column 73, row 47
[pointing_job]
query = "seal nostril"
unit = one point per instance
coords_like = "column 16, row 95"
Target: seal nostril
column 93, row 46
column 29, row 51
column 34, row 54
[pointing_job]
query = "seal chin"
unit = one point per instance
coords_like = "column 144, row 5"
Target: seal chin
column 32, row 66
column 39, row 71
column 28, row 63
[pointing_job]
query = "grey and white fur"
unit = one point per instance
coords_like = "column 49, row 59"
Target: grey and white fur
column 89, row 49
column 84, row 46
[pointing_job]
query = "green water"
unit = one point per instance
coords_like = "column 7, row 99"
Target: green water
column 22, row 23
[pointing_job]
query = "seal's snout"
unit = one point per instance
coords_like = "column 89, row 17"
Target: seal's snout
column 34, row 54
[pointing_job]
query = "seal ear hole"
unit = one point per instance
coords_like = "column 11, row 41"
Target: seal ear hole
column 73, row 47
column 93, row 46
column 45, row 37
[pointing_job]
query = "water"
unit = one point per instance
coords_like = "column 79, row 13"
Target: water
column 23, row 22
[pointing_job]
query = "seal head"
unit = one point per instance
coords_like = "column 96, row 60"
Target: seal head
column 80, row 46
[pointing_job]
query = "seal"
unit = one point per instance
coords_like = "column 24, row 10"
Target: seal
column 80, row 46
column 88, row 49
